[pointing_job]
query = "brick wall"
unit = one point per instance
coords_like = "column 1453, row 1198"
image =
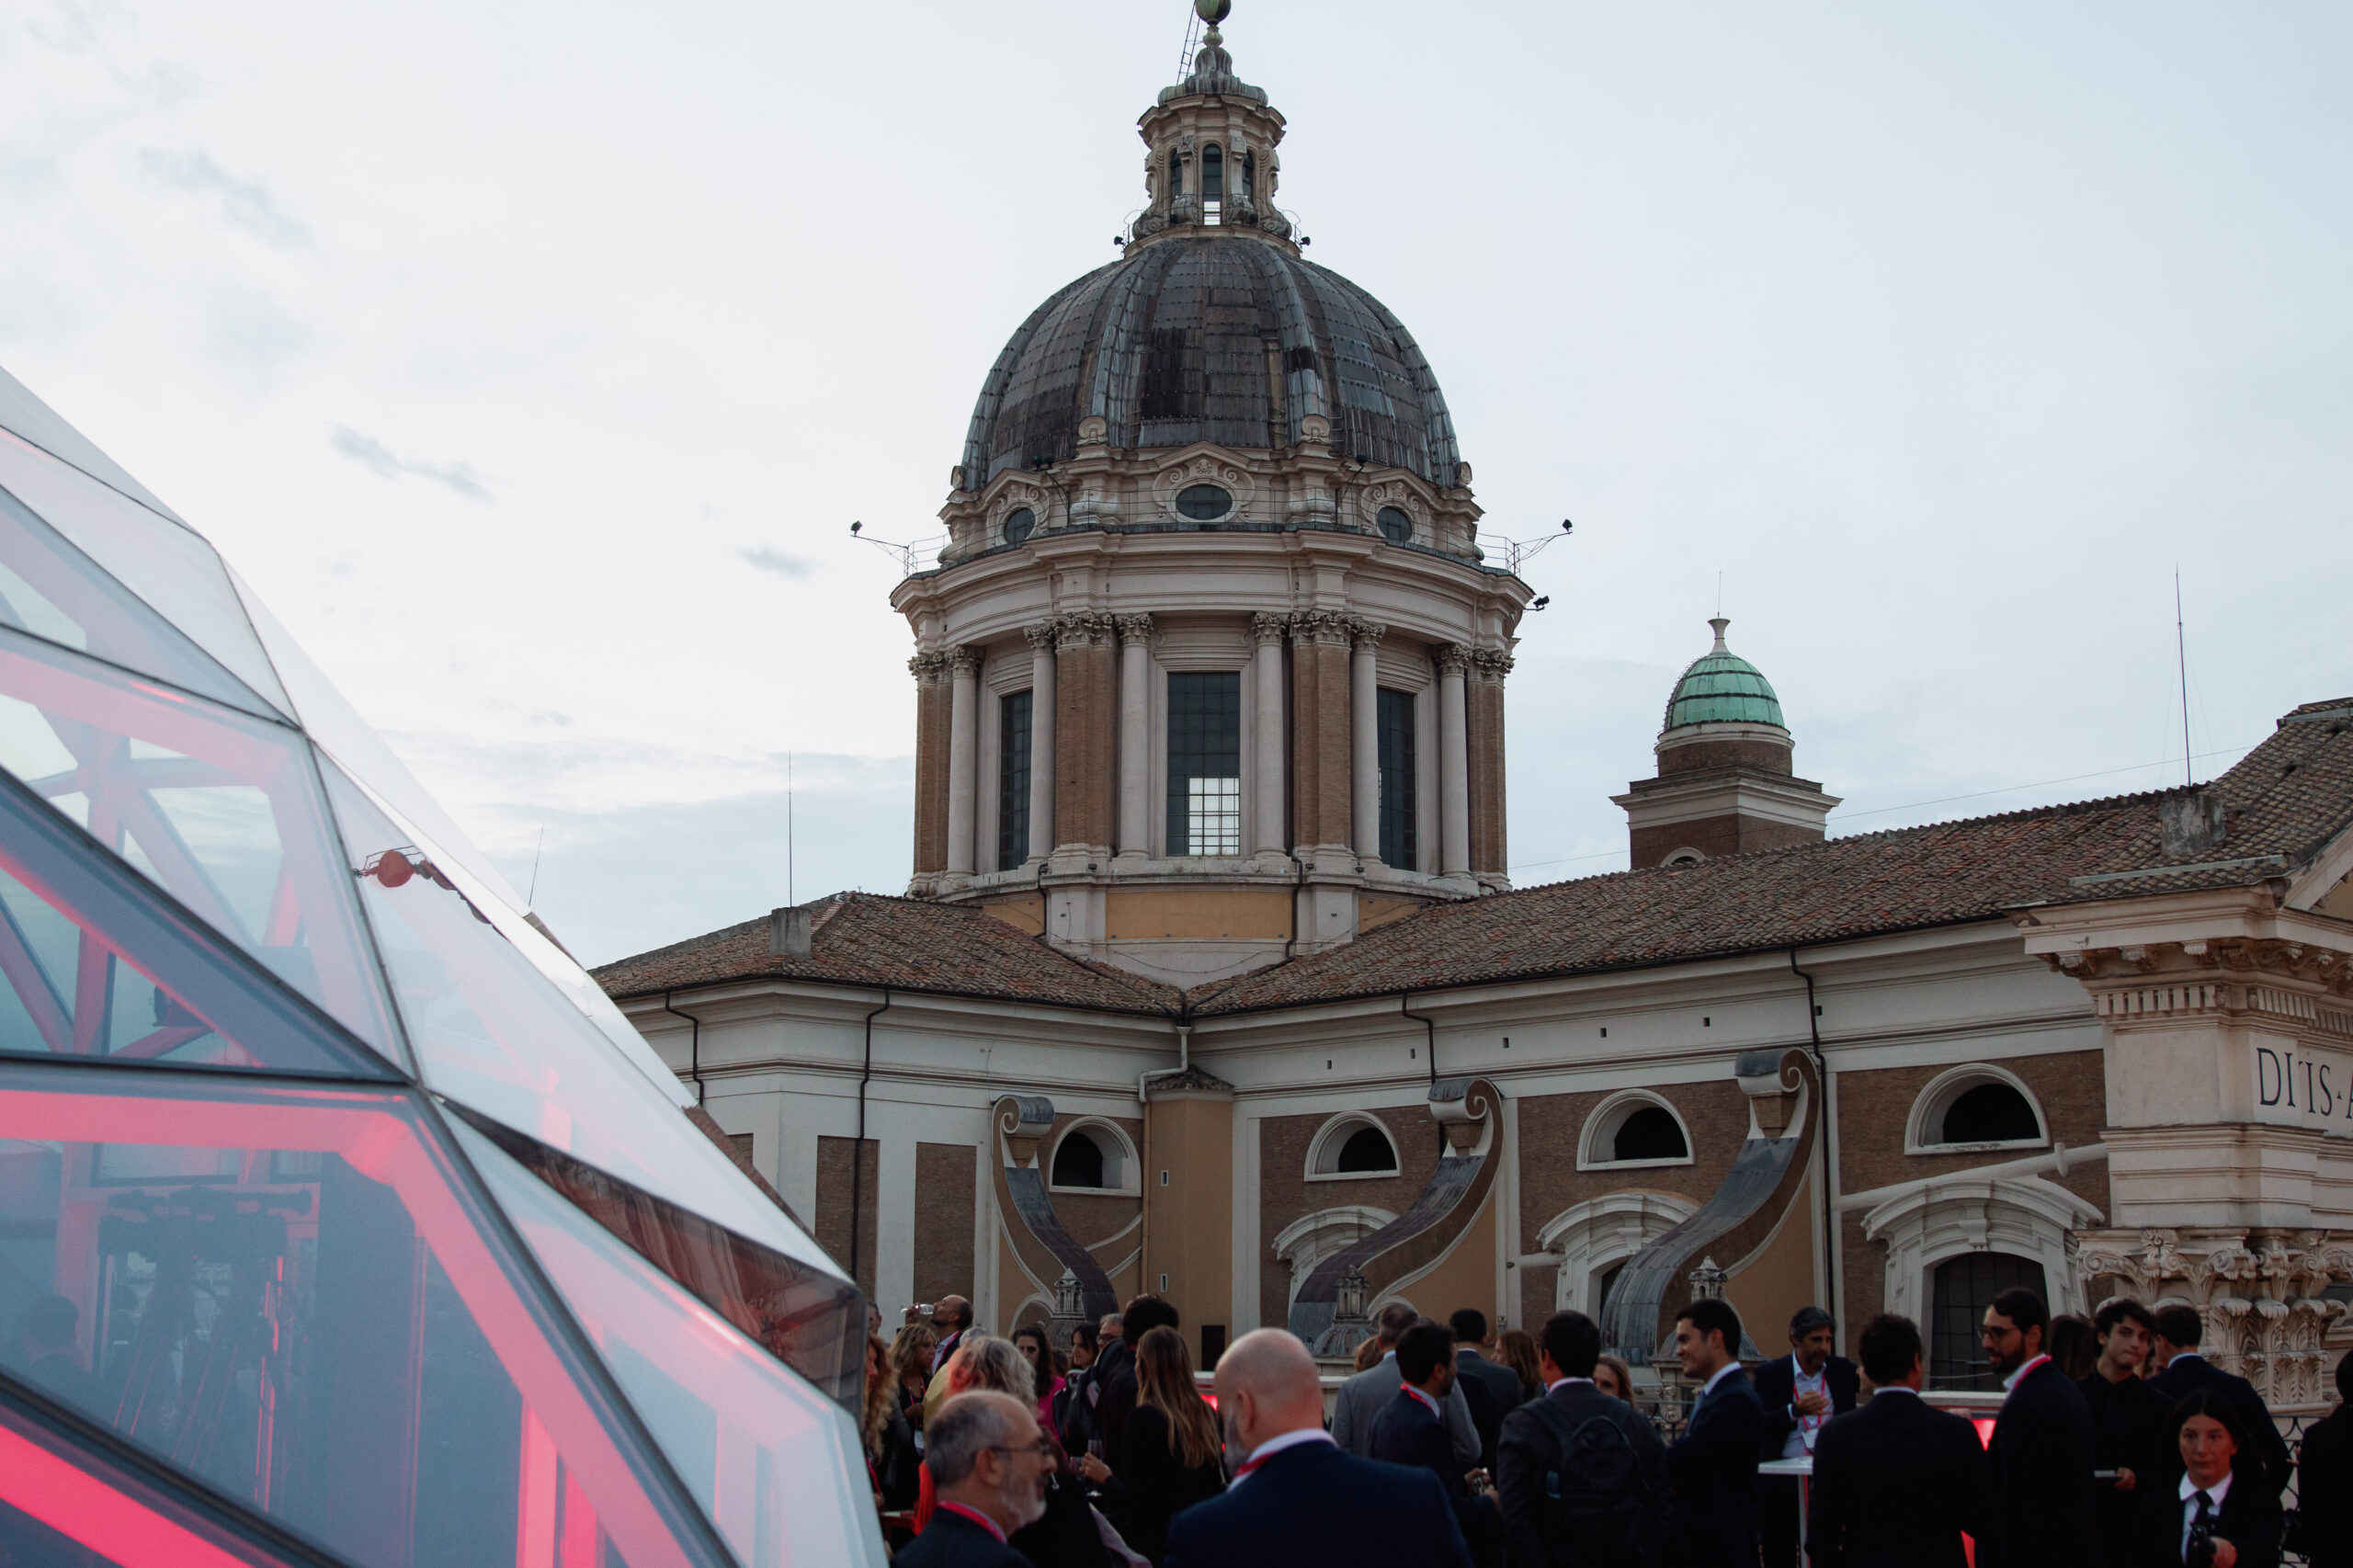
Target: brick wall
column 834, row 1198
column 931, row 772
column 1087, row 698
column 1483, row 712
column 1285, row 1194
column 946, row 1174
column 1731, row 833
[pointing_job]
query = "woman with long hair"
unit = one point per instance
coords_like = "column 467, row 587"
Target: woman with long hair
column 1614, row 1378
column 2222, row 1498
column 1515, row 1347
column 1038, row 1349
column 911, row 1361
column 1174, row 1453
column 890, row 1454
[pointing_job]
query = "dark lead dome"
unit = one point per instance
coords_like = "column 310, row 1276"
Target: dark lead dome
column 1184, row 339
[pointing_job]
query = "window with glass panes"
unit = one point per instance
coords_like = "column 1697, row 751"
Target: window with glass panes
column 1399, row 838
column 1205, row 763
column 1012, row 780
column 1965, row 1287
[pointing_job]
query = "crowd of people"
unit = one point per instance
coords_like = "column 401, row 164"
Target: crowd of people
column 2116, row 1445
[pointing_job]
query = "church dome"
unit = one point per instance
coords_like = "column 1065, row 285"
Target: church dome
column 1212, row 336
column 1721, row 688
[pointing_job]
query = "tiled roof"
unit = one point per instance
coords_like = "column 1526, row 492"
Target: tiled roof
column 2285, row 798
column 2282, row 804
column 907, row 944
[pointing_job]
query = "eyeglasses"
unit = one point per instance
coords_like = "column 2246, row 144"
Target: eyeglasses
column 1043, row 1449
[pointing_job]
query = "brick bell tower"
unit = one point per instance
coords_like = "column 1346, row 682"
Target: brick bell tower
column 1725, row 784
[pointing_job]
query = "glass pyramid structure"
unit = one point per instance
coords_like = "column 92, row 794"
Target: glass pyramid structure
column 342, row 1219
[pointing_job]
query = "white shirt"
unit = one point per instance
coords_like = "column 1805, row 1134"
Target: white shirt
column 2219, row 1491
column 1274, row 1445
column 1895, row 1388
column 1800, row 1442
column 1727, row 1369
column 1564, row 1382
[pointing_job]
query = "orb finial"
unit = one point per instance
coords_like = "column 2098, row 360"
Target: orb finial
column 1212, row 12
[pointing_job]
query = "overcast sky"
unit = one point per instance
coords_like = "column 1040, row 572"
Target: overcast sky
column 533, row 360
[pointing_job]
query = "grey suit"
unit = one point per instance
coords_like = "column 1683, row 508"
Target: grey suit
column 1363, row 1397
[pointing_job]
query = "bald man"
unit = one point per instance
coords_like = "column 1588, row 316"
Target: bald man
column 1296, row 1497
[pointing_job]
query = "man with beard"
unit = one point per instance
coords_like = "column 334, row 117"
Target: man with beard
column 2041, row 1452
column 989, row 1463
column 1297, row 1497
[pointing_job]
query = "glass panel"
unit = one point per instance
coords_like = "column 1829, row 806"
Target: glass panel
column 337, row 726
column 1205, row 763
column 492, row 1032
column 1012, row 780
column 93, row 964
column 218, row 809
column 28, row 416
column 298, row 1304
column 776, row 1464
column 1400, row 809
column 164, row 563
column 52, row 590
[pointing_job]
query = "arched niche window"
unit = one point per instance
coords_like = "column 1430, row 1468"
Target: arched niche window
column 1176, row 174
column 1350, row 1147
column 1973, row 1107
column 1249, row 175
column 1212, row 182
column 1090, row 1157
column 1633, row 1129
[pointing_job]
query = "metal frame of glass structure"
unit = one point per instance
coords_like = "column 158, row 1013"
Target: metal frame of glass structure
column 1399, row 784
column 1013, row 711
column 1205, row 763
column 342, row 1219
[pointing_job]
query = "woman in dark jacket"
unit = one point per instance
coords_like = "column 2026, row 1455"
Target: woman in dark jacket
column 2177, row 1522
column 1172, row 1453
column 2325, row 1481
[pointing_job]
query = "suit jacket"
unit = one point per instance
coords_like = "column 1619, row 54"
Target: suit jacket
column 2128, row 1432
column 2248, row 1519
column 1363, row 1397
column 1895, row 1486
column 2325, row 1490
column 2042, row 1457
column 1407, row 1432
column 1528, row 1450
column 951, row 1540
column 2192, row 1371
column 1316, row 1504
column 1492, row 1390
column 1114, row 1377
column 1713, row 1469
column 1776, row 1382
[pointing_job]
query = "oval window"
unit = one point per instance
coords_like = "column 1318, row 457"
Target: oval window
column 1019, row 524
column 1395, row 525
column 1203, row 502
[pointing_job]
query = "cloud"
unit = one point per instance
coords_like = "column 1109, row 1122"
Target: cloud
column 379, row 458
column 776, row 561
column 246, row 204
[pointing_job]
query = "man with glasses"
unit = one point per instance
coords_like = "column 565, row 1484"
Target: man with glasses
column 2042, row 1452
column 989, row 1465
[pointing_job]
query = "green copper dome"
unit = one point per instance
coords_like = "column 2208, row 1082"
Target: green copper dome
column 1721, row 688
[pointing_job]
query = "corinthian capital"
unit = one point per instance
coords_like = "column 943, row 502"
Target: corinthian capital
column 1082, row 629
column 1327, row 627
column 1266, row 626
column 1366, row 633
column 1452, row 658
column 1135, row 630
column 1041, row 635
column 928, row 666
column 1492, row 665
column 962, row 661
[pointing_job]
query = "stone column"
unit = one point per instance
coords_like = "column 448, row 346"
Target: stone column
column 1042, row 738
column 1489, row 852
column 963, row 757
column 930, row 671
column 1267, row 795
column 1453, row 764
column 1135, row 734
column 1364, row 711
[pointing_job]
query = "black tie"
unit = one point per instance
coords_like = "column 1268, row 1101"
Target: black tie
column 2205, row 1513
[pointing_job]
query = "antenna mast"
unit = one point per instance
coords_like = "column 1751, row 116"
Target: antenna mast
column 2181, row 664
column 789, row 897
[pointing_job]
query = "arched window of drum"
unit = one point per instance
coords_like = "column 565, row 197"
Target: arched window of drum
column 1991, row 1113
column 1020, row 524
column 1249, row 175
column 1367, row 1151
column 1176, row 174
column 1396, row 525
column 1650, row 1133
column 1212, row 173
column 1079, row 1162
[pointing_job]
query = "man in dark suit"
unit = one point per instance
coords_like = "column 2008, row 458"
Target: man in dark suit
column 1297, row 1498
column 989, row 1464
column 1490, row 1388
column 1713, row 1467
column 1583, row 1476
column 2042, row 1452
column 1143, row 1314
column 2129, row 1426
column 1895, row 1483
column 1801, row 1392
column 2179, row 1329
column 1412, row 1431
column 2324, row 1479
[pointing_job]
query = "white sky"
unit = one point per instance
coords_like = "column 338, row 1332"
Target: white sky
column 533, row 360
